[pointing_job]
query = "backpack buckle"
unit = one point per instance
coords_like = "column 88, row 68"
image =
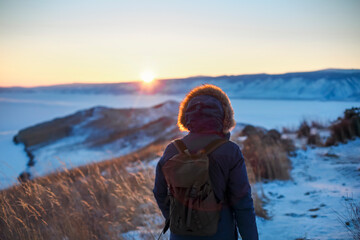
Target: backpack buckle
column 169, row 191
column 187, row 152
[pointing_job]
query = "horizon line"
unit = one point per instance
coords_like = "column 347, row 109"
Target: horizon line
column 174, row 78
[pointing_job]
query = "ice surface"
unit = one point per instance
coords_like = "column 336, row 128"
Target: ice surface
column 287, row 113
column 13, row 159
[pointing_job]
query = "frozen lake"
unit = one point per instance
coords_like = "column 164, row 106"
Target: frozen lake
column 22, row 110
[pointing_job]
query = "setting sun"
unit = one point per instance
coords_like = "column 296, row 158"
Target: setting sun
column 147, row 77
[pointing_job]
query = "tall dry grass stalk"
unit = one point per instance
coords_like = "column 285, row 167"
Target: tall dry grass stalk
column 350, row 218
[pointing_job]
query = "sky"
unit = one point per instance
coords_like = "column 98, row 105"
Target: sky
column 47, row 42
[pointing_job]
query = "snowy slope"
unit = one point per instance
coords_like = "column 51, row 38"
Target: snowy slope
column 96, row 134
column 330, row 84
column 308, row 206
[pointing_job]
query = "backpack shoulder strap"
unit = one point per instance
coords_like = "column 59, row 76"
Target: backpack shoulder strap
column 180, row 145
column 214, row 145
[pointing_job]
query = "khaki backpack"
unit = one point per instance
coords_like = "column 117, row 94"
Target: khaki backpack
column 194, row 209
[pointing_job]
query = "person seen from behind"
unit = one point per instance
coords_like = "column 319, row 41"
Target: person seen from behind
column 201, row 183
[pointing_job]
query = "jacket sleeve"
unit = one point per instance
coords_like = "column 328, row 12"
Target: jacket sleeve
column 240, row 198
column 160, row 186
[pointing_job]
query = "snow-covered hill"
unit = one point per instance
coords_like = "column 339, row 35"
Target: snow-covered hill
column 96, row 134
column 329, row 84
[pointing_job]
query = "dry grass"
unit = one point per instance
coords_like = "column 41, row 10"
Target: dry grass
column 305, row 131
column 99, row 201
column 94, row 207
column 345, row 128
column 266, row 161
column 266, row 154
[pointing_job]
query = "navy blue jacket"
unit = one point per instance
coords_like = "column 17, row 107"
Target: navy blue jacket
column 231, row 186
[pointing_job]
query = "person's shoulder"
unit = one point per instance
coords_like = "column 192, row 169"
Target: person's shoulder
column 229, row 150
column 169, row 151
column 170, row 148
column 227, row 155
column 229, row 146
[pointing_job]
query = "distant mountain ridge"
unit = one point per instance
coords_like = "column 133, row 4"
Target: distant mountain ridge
column 328, row 84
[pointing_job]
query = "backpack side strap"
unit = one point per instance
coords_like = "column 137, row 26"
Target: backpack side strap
column 180, row 146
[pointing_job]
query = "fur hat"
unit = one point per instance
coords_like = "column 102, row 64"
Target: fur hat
column 214, row 91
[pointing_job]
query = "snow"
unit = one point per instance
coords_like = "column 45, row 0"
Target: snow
column 69, row 152
column 58, row 156
column 74, row 150
column 145, row 233
column 149, row 231
column 323, row 179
